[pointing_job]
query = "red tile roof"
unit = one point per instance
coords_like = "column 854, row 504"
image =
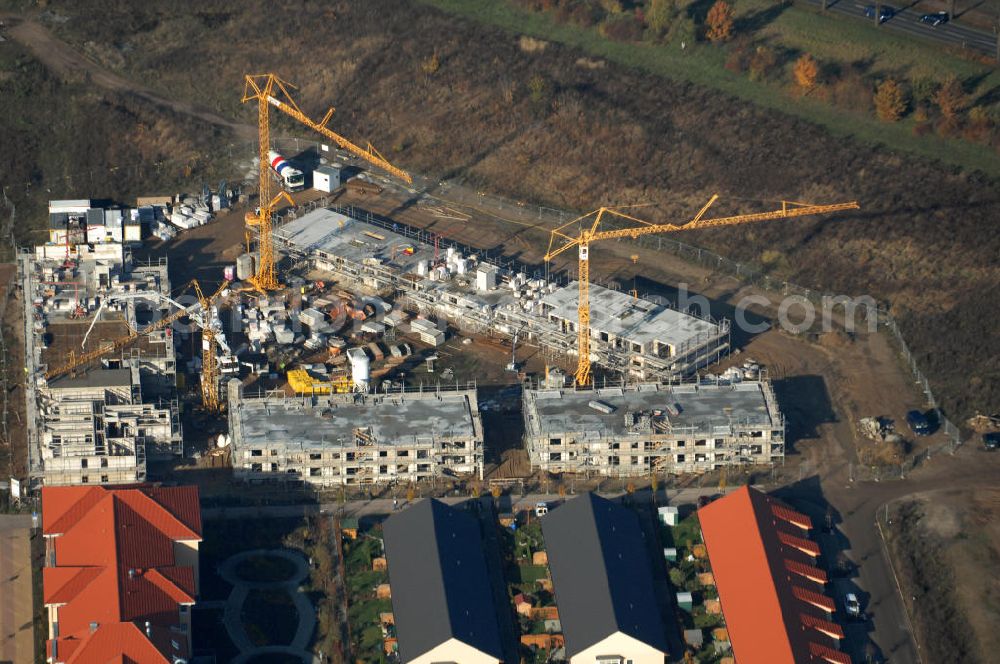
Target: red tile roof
column 759, row 558
column 114, row 566
column 119, row 642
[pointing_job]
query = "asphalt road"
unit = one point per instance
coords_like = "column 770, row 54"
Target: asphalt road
column 907, row 20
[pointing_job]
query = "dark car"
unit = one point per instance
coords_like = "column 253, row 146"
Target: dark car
column 991, row 441
column 918, row 422
column 935, row 19
column 885, row 12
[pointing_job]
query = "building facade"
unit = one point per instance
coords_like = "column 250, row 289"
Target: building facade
column 98, row 422
column 653, row 428
column 355, row 439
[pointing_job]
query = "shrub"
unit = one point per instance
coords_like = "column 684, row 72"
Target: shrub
column 659, row 15
column 622, row 27
column 923, row 90
column 684, row 31
column 762, row 62
column 951, row 99
column 852, row 92
column 736, row 61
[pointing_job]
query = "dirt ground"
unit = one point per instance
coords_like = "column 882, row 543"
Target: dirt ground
column 955, row 537
column 13, row 450
column 17, row 641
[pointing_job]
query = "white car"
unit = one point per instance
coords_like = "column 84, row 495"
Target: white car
column 852, row 605
column 541, row 509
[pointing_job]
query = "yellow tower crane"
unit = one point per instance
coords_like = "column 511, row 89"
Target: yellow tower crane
column 590, row 231
column 269, row 90
column 209, row 343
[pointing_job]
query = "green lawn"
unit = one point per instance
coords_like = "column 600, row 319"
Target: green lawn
column 363, row 607
column 702, row 64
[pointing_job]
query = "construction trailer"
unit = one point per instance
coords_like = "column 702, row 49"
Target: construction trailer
column 355, row 439
column 653, row 428
column 641, row 339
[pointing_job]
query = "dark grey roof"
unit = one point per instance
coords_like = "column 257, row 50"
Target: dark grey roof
column 601, row 573
column 58, row 220
column 440, row 584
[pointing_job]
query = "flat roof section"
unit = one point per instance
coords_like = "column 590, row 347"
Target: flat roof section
column 638, row 320
column 702, row 409
column 334, row 233
column 393, row 419
column 94, row 378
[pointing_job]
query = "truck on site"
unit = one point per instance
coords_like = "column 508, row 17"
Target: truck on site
column 291, row 178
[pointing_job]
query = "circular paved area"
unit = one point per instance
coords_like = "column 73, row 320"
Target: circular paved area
column 241, row 588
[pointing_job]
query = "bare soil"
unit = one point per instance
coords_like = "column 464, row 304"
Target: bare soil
column 943, row 544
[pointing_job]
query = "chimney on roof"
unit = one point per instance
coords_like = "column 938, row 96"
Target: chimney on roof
column 93, row 627
column 149, row 630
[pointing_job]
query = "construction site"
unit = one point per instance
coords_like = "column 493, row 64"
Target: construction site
column 347, row 346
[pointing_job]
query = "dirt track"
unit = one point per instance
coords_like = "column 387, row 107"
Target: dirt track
column 69, row 63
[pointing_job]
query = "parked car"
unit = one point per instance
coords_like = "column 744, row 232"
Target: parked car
column 852, row 605
column 935, row 19
column 704, row 500
column 541, row 509
column 991, row 441
column 918, row 422
column 884, row 14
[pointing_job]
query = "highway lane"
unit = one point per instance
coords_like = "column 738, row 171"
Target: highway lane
column 907, row 21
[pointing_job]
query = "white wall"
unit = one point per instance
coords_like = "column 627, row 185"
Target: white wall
column 454, row 650
column 628, row 648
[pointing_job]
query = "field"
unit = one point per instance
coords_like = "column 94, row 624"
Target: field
column 943, row 544
column 841, row 45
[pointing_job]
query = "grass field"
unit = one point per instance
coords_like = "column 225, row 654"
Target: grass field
column 703, row 64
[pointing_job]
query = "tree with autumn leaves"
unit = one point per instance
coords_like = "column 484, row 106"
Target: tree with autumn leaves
column 806, row 72
column 719, row 22
column 890, row 102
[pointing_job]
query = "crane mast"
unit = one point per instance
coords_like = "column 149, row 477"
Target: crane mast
column 590, row 231
column 266, row 89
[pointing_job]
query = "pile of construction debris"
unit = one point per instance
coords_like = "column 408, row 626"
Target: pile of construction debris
column 879, row 429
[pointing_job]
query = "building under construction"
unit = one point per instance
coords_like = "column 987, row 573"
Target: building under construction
column 638, row 338
column 355, row 439
column 96, row 422
column 641, row 429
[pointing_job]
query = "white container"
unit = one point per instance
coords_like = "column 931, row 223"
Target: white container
column 422, row 268
column 461, row 265
column 360, row 368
